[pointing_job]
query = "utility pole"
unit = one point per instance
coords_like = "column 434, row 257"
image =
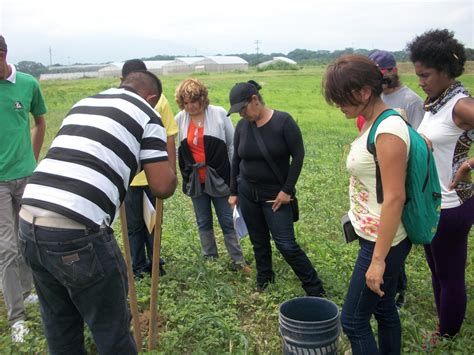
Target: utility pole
column 50, row 57
column 257, row 42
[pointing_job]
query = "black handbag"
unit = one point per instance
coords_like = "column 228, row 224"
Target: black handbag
column 349, row 232
column 293, row 201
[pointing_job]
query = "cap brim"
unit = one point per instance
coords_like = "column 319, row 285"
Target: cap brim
column 235, row 108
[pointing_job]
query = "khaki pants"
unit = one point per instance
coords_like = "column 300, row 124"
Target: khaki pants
column 15, row 274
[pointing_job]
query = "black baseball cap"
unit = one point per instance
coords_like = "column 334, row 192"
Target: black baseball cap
column 240, row 95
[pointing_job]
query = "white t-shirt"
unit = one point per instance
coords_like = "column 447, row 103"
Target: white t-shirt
column 441, row 130
column 365, row 211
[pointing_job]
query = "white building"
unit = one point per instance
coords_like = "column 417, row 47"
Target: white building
column 205, row 64
column 159, row 67
column 115, row 69
column 276, row 60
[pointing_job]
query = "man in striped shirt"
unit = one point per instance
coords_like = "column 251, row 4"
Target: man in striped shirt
column 71, row 201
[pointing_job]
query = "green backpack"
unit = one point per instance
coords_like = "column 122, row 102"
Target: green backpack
column 423, row 192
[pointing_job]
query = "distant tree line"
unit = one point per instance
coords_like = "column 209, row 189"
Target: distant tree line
column 305, row 56
column 302, row 56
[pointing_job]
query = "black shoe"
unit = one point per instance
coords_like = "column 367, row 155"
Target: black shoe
column 321, row 294
column 263, row 286
column 400, row 302
column 210, row 257
column 139, row 275
column 162, row 271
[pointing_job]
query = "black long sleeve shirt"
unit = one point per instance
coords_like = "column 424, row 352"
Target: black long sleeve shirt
column 283, row 140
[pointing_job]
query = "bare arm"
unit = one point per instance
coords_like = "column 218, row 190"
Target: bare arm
column 37, row 135
column 161, row 178
column 463, row 113
column 391, row 154
column 463, row 173
column 463, row 117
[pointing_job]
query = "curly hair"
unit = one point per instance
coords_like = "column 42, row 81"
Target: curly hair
column 192, row 90
column 438, row 49
column 349, row 74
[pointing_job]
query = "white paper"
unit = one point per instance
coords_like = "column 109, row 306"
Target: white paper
column 239, row 223
column 149, row 213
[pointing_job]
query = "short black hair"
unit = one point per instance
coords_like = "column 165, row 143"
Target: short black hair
column 132, row 65
column 438, row 49
column 144, row 78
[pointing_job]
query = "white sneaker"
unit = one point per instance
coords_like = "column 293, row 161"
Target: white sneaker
column 32, row 298
column 19, row 330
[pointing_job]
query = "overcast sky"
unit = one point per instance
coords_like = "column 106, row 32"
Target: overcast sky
column 97, row 31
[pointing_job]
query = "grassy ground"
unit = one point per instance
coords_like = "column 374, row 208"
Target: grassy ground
column 204, row 307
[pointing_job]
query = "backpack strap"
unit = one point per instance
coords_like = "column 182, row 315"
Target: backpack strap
column 371, row 149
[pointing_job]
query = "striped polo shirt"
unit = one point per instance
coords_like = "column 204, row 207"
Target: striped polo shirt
column 102, row 143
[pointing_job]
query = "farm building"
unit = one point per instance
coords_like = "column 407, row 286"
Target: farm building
column 205, row 64
column 222, row 63
column 159, row 67
column 70, row 72
column 276, row 60
column 182, row 65
column 115, row 69
column 69, row 76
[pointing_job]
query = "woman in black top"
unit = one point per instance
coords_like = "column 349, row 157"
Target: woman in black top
column 256, row 188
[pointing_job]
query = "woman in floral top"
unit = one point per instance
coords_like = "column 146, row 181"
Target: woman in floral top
column 354, row 83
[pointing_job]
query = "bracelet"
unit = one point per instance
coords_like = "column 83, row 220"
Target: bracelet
column 471, row 168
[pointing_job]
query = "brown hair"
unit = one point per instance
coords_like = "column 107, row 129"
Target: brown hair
column 347, row 75
column 192, row 90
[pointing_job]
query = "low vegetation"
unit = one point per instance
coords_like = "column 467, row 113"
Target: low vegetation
column 203, row 306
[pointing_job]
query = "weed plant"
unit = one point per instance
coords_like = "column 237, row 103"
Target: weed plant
column 208, row 308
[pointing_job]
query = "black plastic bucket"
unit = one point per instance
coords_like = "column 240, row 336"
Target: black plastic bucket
column 309, row 326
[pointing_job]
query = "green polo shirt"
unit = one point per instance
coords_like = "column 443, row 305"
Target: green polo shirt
column 17, row 100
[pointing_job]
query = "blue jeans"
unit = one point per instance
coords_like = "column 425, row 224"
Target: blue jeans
column 203, row 211
column 361, row 303
column 138, row 235
column 80, row 276
column 261, row 221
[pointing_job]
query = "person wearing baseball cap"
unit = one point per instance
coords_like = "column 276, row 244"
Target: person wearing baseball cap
column 268, row 157
column 240, row 95
column 395, row 94
column 19, row 151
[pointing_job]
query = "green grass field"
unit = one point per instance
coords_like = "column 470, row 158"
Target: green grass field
column 204, row 307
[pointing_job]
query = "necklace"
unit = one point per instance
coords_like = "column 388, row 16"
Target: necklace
column 199, row 123
column 434, row 105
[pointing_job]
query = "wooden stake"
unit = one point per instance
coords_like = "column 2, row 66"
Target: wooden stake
column 153, row 331
column 131, row 281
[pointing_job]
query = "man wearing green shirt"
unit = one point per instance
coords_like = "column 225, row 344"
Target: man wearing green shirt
column 20, row 146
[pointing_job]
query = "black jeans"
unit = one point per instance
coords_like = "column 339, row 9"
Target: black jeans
column 261, row 221
column 80, row 276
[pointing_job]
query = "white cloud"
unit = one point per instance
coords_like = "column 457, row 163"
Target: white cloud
column 113, row 30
